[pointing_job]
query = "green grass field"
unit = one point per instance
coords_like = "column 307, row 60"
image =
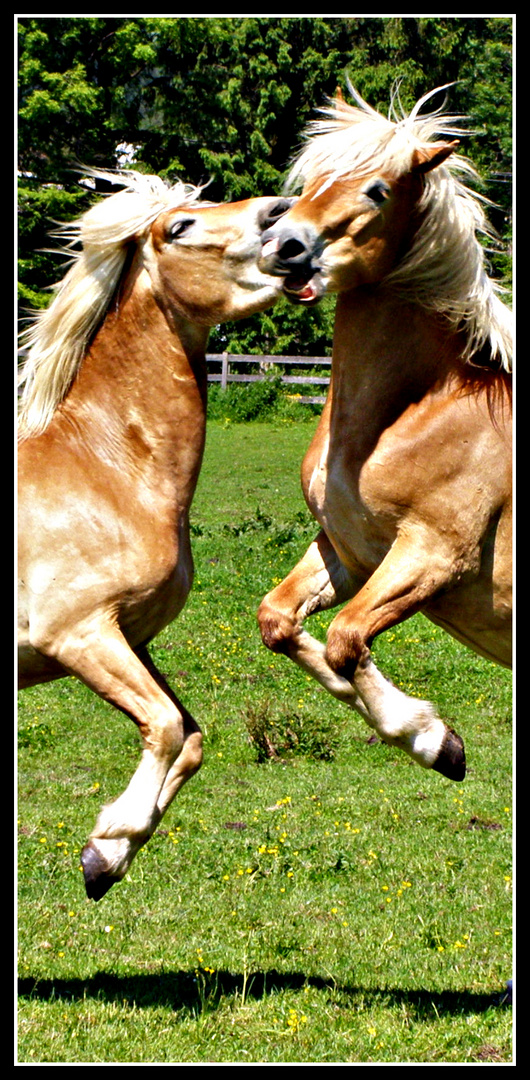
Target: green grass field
column 334, row 903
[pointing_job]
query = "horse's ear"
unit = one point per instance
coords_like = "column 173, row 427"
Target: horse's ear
column 339, row 96
column 429, row 157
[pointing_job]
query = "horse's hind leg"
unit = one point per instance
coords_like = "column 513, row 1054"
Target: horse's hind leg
column 104, row 661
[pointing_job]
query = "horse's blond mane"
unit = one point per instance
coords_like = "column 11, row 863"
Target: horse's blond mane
column 445, row 269
column 58, row 336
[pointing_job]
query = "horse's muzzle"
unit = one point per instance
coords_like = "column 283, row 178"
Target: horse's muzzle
column 293, row 253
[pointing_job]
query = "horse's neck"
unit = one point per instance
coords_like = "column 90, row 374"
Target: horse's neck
column 141, row 389
column 387, row 354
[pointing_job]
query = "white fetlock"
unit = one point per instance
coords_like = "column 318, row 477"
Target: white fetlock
column 125, row 818
column 426, row 745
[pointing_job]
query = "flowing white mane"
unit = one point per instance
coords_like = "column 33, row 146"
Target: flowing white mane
column 445, row 269
column 59, row 335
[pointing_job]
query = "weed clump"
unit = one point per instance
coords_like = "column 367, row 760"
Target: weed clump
column 277, row 734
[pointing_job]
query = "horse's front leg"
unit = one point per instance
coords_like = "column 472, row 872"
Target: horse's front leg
column 102, row 659
column 399, row 587
column 318, row 582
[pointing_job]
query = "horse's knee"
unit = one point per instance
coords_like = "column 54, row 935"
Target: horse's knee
column 277, row 629
column 345, row 650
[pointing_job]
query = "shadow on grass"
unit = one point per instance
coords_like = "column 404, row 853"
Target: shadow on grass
column 192, row 993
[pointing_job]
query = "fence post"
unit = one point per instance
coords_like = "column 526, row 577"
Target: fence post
column 224, row 371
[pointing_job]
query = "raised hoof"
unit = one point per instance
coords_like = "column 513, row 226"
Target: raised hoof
column 97, row 881
column 451, row 760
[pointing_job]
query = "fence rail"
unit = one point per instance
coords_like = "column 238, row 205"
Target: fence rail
column 224, row 373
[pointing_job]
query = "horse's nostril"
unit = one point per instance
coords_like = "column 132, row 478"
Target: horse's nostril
column 274, row 212
column 291, row 249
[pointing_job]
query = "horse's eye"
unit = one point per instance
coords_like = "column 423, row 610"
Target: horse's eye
column 378, row 192
column 178, row 228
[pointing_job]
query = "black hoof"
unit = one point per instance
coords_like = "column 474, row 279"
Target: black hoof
column 97, row 881
column 451, row 760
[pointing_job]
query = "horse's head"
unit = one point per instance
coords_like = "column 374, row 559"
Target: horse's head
column 203, row 259
column 350, row 229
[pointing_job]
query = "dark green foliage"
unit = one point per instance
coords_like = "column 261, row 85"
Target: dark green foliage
column 285, row 330
column 223, row 101
column 267, row 400
column 251, row 401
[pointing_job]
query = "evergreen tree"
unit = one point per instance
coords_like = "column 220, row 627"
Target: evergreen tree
column 223, row 101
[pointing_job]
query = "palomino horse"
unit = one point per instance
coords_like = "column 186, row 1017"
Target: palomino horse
column 112, row 430
column 409, row 472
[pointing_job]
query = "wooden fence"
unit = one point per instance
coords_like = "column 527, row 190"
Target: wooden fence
column 224, row 368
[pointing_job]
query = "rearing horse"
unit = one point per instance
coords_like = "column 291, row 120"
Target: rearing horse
column 112, row 429
column 409, row 473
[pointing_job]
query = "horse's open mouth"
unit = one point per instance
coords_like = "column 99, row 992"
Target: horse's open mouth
column 303, row 281
column 302, row 290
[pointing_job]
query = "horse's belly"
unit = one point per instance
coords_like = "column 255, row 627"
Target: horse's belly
column 141, row 618
column 479, row 612
column 75, row 578
column 486, row 635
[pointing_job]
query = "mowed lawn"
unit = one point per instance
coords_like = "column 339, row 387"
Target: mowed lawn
column 311, row 895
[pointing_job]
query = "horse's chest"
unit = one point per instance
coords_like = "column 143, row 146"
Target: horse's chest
column 343, row 505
